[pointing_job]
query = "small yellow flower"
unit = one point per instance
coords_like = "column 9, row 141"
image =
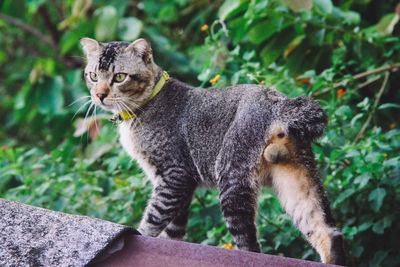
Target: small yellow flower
column 215, row 79
column 385, row 155
column 229, row 245
column 392, row 126
column 204, row 28
column 262, row 82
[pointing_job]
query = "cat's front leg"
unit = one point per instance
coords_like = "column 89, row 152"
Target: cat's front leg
column 176, row 229
column 166, row 202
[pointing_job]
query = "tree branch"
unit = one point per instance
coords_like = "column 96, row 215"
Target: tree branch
column 368, row 82
column 54, row 33
column 19, row 24
column 69, row 61
column 375, row 105
column 390, row 67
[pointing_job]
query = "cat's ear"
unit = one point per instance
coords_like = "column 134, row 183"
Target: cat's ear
column 90, row 46
column 142, row 48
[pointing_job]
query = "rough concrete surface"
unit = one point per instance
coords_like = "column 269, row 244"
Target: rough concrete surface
column 31, row 236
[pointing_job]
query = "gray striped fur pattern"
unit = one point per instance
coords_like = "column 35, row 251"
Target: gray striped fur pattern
column 236, row 139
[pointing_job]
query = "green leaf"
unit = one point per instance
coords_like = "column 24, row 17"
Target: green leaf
column 21, row 97
column 365, row 104
column 358, row 251
column 33, row 5
column 168, row 14
column 379, row 256
column 324, row 6
column 355, row 119
column 96, row 150
column 351, row 17
column 276, row 46
column 229, row 8
column 319, row 37
column 265, row 29
column 376, row 198
column 343, row 196
column 106, row 25
column 69, row 38
column 364, row 227
column 393, row 162
column 382, row 224
column 344, row 111
column 389, row 105
column 129, row 28
column 386, row 24
column 297, row 5
column 363, row 179
column 49, row 95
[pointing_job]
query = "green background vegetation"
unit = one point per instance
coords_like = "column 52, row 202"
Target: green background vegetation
column 342, row 53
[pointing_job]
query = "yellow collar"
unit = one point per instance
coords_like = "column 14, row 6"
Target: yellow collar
column 126, row 115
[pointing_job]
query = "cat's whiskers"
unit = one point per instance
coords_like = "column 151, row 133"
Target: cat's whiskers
column 131, row 111
column 114, row 98
column 132, row 102
column 87, row 112
column 118, row 108
column 84, row 120
column 79, row 99
column 127, row 107
column 82, row 58
column 87, row 102
column 95, row 119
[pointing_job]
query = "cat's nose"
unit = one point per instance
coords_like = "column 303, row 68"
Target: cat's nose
column 101, row 96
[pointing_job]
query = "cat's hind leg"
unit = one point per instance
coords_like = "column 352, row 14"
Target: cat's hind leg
column 239, row 204
column 304, row 199
column 239, row 156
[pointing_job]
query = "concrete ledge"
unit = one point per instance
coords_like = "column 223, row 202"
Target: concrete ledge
column 31, row 236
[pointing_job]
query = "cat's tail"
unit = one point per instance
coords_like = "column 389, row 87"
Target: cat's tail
column 304, row 117
column 299, row 119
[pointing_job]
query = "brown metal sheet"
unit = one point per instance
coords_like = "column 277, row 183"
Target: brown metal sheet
column 148, row 251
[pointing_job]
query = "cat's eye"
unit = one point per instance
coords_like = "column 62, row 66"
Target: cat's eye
column 93, row 76
column 119, row 77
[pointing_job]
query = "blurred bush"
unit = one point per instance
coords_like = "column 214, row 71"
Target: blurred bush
column 345, row 54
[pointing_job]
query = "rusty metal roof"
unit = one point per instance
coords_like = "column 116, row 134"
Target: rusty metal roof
column 148, row 251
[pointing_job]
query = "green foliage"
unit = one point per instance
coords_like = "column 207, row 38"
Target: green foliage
column 335, row 51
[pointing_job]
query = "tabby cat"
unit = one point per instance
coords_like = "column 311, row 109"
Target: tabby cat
column 236, row 139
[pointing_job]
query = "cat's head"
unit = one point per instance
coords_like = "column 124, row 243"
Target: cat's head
column 119, row 75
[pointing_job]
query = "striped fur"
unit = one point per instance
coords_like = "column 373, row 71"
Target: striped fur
column 236, row 139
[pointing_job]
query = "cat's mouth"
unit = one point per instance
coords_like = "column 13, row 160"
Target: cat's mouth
column 104, row 104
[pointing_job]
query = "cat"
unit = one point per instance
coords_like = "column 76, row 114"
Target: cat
column 236, row 139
